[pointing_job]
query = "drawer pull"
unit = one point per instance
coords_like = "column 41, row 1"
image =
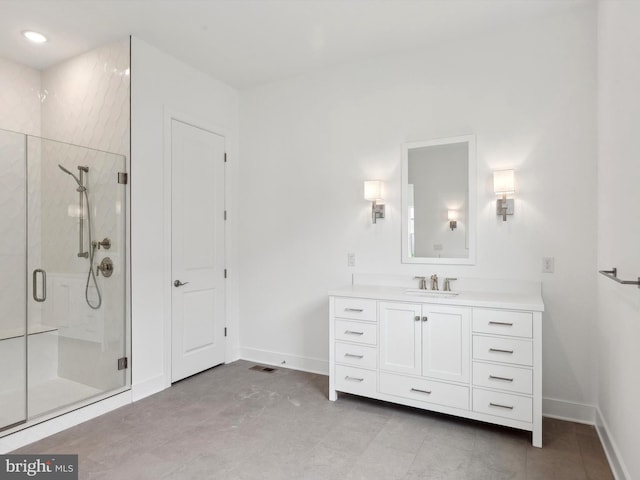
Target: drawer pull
column 354, row 379
column 351, row 332
column 494, row 377
column 428, row 392
column 500, row 350
column 359, row 310
column 508, row 324
column 353, row 355
column 508, row 407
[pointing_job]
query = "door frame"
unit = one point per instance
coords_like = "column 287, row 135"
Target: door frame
column 170, row 114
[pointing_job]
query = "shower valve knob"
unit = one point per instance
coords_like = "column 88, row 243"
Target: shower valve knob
column 106, row 267
column 106, row 243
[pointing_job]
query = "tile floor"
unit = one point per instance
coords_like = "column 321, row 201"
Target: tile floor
column 231, row 422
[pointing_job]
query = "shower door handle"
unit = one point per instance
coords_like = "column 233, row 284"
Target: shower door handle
column 35, row 285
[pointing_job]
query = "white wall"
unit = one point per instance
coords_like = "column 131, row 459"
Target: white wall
column 162, row 84
column 619, row 231
column 528, row 93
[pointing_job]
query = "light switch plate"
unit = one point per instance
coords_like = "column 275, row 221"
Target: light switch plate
column 548, row 264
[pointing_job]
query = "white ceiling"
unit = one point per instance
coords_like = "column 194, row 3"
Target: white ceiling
column 249, row 42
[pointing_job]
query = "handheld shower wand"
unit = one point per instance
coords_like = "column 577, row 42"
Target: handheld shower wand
column 82, row 190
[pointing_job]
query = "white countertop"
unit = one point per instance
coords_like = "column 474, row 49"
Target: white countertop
column 530, row 301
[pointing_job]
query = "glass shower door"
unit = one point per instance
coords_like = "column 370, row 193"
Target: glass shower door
column 13, row 306
column 76, row 266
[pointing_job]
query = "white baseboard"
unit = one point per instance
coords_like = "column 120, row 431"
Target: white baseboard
column 284, row 360
column 148, row 387
column 564, row 410
column 57, row 424
column 618, row 467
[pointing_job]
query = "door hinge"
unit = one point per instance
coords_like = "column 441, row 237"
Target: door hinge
column 225, row 331
column 225, row 273
column 123, row 363
column 225, row 214
column 225, row 157
column 123, row 178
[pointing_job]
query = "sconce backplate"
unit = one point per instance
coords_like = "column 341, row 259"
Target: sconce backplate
column 377, row 211
column 509, row 203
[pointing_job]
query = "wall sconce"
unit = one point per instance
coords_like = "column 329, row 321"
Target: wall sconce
column 373, row 193
column 452, row 216
column 504, row 183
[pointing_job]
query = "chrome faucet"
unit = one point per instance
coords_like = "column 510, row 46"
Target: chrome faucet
column 434, row 282
column 447, row 283
column 423, row 282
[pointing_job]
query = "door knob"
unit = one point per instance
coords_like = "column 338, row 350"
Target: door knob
column 178, row 283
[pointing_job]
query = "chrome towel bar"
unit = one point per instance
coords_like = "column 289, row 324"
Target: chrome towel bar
column 613, row 275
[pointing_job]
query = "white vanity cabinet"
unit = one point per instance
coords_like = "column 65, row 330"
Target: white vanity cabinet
column 459, row 356
column 424, row 339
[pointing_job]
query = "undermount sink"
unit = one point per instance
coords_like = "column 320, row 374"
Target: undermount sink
column 430, row 293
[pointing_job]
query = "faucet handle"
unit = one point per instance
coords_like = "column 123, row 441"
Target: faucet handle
column 423, row 282
column 447, row 283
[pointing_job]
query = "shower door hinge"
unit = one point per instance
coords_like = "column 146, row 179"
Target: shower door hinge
column 225, row 157
column 225, row 273
column 123, row 178
column 123, row 363
column 225, row 331
column 225, row 214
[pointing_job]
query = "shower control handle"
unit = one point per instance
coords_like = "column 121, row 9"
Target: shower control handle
column 178, row 283
column 106, row 267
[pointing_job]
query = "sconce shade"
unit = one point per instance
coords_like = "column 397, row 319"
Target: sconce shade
column 503, row 182
column 452, row 215
column 373, row 190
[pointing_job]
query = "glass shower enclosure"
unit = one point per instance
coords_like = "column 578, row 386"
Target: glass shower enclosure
column 63, row 281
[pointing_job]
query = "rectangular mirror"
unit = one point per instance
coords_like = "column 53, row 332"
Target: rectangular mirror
column 439, row 201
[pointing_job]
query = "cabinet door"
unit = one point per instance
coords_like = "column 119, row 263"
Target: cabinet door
column 445, row 343
column 399, row 338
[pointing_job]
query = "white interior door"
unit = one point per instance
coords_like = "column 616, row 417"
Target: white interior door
column 197, row 250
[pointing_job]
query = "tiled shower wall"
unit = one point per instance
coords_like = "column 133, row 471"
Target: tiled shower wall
column 82, row 101
column 19, row 112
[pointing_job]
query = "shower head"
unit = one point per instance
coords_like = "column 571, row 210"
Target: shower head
column 65, row 170
column 81, row 188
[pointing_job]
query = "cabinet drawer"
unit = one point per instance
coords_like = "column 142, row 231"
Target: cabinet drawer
column 503, row 377
column 358, row 332
column 425, row 390
column 503, row 405
column 356, row 380
column 502, row 349
column 356, row 308
column 356, row 355
column 503, row 322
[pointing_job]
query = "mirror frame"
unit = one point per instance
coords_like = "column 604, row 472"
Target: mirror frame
column 472, row 201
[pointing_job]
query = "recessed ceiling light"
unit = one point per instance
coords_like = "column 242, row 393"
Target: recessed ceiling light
column 35, row 37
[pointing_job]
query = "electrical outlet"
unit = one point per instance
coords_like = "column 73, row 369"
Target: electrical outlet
column 548, row 264
column 351, row 259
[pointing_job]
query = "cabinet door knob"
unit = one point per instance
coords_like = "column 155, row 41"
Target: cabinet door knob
column 424, row 319
column 417, row 318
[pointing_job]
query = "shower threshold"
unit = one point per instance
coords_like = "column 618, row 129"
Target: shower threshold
column 45, row 397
